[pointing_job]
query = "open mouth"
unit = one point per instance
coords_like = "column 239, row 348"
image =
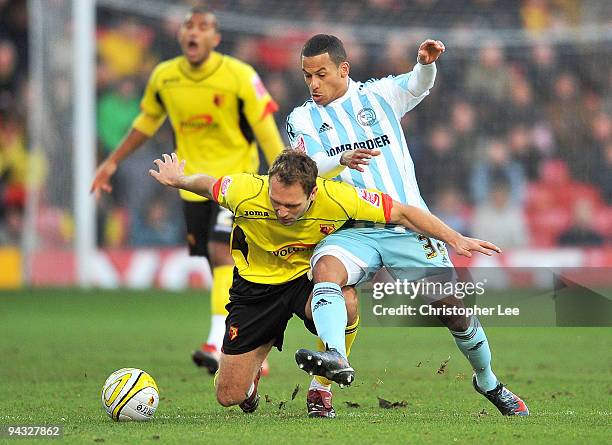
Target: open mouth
column 192, row 45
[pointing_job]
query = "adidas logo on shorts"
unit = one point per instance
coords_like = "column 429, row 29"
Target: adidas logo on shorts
column 324, row 127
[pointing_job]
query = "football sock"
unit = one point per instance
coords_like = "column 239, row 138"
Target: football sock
column 250, row 391
column 350, row 334
column 474, row 345
column 219, row 297
column 217, row 331
column 329, row 315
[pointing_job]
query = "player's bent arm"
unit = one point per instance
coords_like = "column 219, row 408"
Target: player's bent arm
column 172, row 173
column 431, row 226
column 134, row 139
column 269, row 138
column 328, row 167
column 132, row 142
column 422, row 78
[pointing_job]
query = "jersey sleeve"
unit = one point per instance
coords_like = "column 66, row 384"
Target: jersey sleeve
column 231, row 190
column 303, row 136
column 152, row 111
column 361, row 204
column 394, row 89
column 257, row 102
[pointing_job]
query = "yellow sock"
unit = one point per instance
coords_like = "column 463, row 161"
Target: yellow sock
column 219, row 294
column 350, row 334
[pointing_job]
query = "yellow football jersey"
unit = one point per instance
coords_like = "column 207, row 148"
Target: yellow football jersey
column 264, row 250
column 212, row 110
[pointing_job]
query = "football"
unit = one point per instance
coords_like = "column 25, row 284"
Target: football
column 130, row 394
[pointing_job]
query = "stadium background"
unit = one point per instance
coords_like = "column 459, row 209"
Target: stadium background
column 514, row 144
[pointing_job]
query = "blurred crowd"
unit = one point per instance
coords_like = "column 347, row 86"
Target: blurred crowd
column 514, row 144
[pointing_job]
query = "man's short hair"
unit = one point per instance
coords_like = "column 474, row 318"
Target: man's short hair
column 325, row 43
column 293, row 166
column 202, row 10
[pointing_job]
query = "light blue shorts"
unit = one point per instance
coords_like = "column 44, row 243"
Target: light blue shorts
column 364, row 251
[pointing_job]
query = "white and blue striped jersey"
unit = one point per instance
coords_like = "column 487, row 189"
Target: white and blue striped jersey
column 366, row 116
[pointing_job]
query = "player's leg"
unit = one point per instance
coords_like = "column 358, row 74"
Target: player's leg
column 472, row 341
column 319, row 396
column 256, row 321
column 422, row 257
column 214, row 229
column 238, row 376
column 341, row 259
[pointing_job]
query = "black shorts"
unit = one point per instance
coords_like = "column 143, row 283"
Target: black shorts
column 259, row 313
column 206, row 221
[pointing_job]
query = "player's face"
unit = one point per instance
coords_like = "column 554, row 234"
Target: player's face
column 289, row 201
column 198, row 36
column 326, row 81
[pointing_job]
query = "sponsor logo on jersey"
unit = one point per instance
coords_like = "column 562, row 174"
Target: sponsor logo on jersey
column 219, row 99
column 371, row 197
column 171, row 80
column 325, row 127
column 366, row 117
column 371, row 144
column 326, row 229
column 195, row 123
column 233, row 332
column 288, row 251
column 225, row 184
column 255, row 213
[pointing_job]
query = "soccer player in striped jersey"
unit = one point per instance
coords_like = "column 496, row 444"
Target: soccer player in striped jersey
column 357, row 125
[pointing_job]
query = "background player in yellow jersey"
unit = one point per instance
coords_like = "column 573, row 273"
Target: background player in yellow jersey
column 278, row 220
column 217, row 105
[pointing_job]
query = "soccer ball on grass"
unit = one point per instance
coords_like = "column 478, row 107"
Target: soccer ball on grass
column 130, row 394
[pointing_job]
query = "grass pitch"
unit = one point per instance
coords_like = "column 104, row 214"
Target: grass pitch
column 58, row 346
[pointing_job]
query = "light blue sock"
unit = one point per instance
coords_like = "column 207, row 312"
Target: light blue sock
column 474, row 345
column 329, row 315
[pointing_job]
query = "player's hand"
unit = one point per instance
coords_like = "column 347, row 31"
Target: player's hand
column 170, row 170
column 429, row 51
column 356, row 158
column 101, row 181
column 464, row 246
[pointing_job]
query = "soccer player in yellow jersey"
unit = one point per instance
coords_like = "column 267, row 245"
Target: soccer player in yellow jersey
column 217, row 105
column 278, row 220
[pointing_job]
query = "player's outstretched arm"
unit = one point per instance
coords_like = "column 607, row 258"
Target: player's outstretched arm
column 429, row 225
column 172, row 173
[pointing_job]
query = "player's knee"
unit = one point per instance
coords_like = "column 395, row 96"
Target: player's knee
column 457, row 323
column 329, row 268
column 228, row 395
